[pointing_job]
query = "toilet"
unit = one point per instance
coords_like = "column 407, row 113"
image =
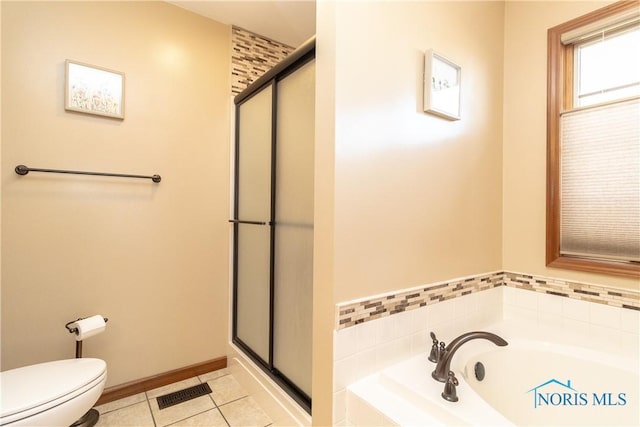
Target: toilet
column 50, row 394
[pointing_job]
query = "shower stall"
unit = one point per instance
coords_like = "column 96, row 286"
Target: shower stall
column 273, row 222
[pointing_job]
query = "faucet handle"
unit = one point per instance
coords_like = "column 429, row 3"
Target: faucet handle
column 449, row 392
column 433, row 355
column 436, row 349
column 433, row 337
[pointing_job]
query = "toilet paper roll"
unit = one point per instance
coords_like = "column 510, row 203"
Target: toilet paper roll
column 89, row 327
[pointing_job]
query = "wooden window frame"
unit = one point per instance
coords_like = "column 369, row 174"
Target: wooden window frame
column 560, row 98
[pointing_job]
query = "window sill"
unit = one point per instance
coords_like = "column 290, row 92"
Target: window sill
column 625, row 269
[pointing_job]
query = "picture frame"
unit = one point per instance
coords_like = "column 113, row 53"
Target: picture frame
column 93, row 90
column 442, row 86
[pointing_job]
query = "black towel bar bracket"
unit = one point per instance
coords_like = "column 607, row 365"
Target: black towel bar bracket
column 23, row 170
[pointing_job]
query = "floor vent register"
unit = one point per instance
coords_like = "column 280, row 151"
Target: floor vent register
column 184, row 395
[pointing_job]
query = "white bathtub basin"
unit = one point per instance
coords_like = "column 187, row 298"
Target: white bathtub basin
column 533, row 383
column 528, row 382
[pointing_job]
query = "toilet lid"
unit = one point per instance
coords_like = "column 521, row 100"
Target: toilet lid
column 25, row 388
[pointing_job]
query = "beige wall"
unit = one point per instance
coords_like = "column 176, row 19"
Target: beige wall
column 323, row 221
column 525, row 53
column 0, row 186
column 417, row 198
column 151, row 257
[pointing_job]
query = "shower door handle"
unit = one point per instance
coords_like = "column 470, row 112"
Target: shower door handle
column 239, row 221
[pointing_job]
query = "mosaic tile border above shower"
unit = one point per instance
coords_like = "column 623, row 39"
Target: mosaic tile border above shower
column 354, row 313
column 252, row 55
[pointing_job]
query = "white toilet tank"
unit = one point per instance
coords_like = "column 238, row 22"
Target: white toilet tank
column 52, row 393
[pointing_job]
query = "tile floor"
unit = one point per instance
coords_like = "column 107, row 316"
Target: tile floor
column 229, row 405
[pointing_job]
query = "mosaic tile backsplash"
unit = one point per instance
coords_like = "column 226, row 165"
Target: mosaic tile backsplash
column 354, row 313
column 251, row 56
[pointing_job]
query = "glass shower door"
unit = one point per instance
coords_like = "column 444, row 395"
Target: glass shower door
column 253, row 225
column 293, row 282
column 273, row 223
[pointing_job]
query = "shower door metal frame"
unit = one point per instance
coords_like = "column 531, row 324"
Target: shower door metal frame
column 294, row 61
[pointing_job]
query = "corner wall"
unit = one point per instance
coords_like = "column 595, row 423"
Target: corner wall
column 417, row 197
column 153, row 258
column 525, row 143
column 323, row 220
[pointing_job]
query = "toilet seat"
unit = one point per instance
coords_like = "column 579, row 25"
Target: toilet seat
column 28, row 391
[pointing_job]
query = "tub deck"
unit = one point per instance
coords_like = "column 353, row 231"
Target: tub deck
column 578, row 386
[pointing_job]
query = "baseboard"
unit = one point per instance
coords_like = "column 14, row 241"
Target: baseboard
column 138, row 386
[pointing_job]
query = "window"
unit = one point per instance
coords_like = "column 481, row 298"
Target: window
column 593, row 147
column 605, row 69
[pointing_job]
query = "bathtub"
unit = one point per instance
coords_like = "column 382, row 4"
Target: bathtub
column 531, row 381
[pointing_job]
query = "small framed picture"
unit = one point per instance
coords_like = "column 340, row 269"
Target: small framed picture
column 94, row 90
column 441, row 86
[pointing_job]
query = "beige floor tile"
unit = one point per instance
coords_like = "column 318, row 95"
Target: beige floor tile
column 181, row 411
column 180, row 385
column 245, row 412
column 226, row 389
column 137, row 415
column 213, row 375
column 121, row 403
column 211, row 418
column 236, row 407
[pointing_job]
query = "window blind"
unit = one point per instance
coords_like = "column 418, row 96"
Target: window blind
column 609, row 24
column 600, row 181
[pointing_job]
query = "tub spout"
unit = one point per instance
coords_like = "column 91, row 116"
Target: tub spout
column 441, row 372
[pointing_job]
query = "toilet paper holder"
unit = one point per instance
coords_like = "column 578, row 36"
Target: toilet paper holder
column 75, row 330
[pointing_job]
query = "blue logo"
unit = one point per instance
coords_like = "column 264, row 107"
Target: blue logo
column 557, row 393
